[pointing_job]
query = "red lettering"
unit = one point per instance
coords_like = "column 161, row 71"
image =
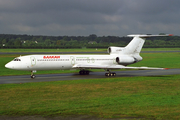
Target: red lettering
column 51, row 57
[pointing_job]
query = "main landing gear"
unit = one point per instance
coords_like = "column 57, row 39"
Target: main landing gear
column 110, row 74
column 84, row 72
column 32, row 75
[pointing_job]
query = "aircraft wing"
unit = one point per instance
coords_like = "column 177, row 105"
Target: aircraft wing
column 89, row 66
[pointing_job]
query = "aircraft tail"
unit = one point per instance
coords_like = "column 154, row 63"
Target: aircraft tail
column 131, row 52
column 137, row 43
column 134, row 47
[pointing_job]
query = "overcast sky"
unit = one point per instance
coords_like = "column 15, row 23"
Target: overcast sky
column 85, row 17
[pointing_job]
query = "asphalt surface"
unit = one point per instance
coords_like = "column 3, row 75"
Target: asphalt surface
column 92, row 75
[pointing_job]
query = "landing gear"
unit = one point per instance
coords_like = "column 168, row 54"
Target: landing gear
column 110, row 74
column 32, row 75
column 84, row 72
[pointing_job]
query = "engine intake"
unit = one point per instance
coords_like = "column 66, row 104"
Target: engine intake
column 114, row 50
column 125, row 60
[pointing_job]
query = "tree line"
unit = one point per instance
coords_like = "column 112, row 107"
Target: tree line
column 91, row 41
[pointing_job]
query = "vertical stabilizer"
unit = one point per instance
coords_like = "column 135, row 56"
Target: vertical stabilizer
column 137, row 43
column 134, row 46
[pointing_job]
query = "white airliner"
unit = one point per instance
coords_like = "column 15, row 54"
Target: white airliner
column 118, row 58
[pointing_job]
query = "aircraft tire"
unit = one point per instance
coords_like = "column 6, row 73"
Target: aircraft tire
column 107, row 74
column 113, row 74
column 87, row 72
column 110, row 74
column 33, row 76
column 83, row 72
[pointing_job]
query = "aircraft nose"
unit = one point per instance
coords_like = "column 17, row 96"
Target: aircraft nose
column 9, row 65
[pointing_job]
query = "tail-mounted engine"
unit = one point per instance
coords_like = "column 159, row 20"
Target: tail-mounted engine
column 126, row 60
column 114, row 50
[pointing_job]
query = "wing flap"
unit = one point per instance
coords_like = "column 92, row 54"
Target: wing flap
column 89, row 66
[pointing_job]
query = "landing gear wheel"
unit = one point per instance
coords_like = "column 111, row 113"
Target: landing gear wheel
column 81, row 72
column 84, row 72
column 33, row 76
column 87, row 72
column 114, row 74
column 107, row 74
column 110, row 74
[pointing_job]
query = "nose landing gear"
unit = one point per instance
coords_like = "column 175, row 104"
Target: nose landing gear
column 32, row 75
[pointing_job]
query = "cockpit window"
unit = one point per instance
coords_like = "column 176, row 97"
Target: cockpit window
column 17, row 59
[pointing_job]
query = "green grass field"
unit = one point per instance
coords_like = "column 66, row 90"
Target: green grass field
column 137, row 97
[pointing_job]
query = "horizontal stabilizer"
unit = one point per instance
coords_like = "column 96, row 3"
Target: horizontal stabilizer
column 148, row 35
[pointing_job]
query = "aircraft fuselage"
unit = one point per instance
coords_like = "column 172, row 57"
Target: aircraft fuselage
column 58, row 62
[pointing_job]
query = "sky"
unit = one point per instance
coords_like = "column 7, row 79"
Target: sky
column 86, row 17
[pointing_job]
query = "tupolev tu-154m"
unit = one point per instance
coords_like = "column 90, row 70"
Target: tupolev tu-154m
column 118, row 58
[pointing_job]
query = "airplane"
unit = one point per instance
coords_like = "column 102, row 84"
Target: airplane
column 118, row 58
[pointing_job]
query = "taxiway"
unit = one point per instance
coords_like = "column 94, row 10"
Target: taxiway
column 76, row 76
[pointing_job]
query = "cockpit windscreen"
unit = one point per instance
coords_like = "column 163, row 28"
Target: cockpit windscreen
column 17, row 59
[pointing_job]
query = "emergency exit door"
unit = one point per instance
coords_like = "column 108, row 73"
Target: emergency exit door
column 33, row 61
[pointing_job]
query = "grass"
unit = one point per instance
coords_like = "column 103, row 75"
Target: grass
column 165, row 60
column 118, row 97
column 138, row 97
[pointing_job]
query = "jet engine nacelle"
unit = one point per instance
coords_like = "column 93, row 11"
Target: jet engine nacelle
column 114, row 50
column 125, row 60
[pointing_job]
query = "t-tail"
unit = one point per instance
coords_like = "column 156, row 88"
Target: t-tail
column 134, row 47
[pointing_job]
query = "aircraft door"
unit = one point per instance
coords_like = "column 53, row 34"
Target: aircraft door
column 72, row 60
column 33, row 61
column 114, row 60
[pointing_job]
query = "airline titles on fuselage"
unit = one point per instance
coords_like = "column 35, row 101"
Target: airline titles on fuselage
column 51, row 57
column 118, row 50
